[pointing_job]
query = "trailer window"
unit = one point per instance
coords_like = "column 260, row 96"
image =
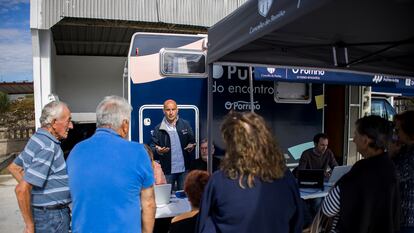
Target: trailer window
column 382, row 108
column 378, row 108
column 180, row 62
column 300, row 93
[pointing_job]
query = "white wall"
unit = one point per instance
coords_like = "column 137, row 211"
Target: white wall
column 42, row 75
column 82, row 81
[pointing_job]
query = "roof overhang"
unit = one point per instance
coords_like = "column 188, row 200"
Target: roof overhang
column 98, row 37
column 374, row 36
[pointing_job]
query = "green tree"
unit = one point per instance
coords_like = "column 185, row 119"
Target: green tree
column 4, row 102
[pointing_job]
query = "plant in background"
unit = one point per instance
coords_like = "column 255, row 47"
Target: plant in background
column 4, row 102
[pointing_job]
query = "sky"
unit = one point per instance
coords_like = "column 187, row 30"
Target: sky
column 15, row 41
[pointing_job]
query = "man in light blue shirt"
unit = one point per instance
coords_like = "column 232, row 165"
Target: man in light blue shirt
column 42, row 190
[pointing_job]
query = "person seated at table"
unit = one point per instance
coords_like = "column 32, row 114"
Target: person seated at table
column 159, row 176
column 366, row 199
column 318, row 157
column 253, row 191
column 194, row 185
column 201, row 163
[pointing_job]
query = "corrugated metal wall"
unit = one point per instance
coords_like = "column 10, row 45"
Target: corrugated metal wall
column 185, row 12
column 134, row 10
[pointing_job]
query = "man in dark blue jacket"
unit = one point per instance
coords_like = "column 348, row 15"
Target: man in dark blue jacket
column 173, row 141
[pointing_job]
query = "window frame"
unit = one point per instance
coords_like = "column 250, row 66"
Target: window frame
column 164, row 51
column 292, row 101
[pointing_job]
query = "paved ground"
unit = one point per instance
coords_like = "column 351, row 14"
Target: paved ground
column 10, row 218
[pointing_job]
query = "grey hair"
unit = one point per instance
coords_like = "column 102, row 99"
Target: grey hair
column 50, row 112
column 376, row 128
column 111, row 111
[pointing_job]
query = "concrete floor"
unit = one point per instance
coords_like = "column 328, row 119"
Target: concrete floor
column 10, row 218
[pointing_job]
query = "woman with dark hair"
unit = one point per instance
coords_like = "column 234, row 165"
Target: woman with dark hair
column 366, row 199
column 254, row 191
column 194, row 185
column 404, row 162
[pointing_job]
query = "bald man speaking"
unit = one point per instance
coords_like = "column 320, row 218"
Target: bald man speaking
column 173, row 141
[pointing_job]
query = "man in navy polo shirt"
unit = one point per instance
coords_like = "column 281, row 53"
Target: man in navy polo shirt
column 42, row 190
column 111, row 178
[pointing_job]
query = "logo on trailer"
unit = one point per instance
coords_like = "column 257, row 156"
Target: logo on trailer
column 271, row 70
column 308, row 72
column 377, row 79
column 241, row 105
column 264, row 6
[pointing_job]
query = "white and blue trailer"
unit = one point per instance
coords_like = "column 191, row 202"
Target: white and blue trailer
column 292, row 100
column 161, row 67
column 170, row 66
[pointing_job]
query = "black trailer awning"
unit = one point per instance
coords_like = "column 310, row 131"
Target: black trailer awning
column 375, row 36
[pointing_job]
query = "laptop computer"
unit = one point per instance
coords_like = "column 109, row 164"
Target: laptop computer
column 162, row 194
column 337, row 173
column 311, row 178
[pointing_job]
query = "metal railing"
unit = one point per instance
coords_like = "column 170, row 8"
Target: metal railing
column 16, row 133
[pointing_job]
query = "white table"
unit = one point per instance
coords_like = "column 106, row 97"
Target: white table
column 176, row 207
column 310, row 193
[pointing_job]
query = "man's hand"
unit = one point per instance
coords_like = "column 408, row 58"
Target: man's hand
column 328, row 173
column 162, row 150
column 190, row 147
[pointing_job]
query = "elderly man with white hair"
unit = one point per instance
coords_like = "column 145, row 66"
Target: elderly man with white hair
column 111, row 178
column 42, row 190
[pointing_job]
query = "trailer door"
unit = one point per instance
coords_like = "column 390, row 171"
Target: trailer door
column 151, row 115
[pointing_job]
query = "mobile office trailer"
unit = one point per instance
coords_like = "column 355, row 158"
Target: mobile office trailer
column 292, row 100
column 171, row 66
column 161, row 67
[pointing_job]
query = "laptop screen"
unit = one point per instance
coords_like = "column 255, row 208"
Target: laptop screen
column 162, row 194
column 311, row 178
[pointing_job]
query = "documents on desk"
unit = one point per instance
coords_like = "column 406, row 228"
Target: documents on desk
column 310, row 193
column 176, row 207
